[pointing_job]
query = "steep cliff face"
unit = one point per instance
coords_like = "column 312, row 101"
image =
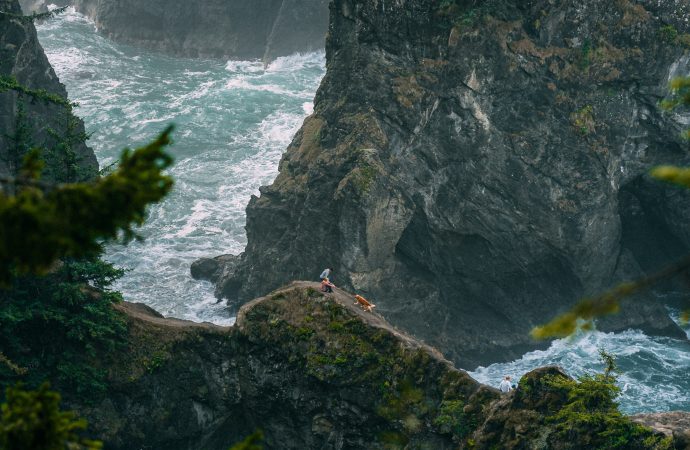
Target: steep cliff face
column 476, row 167
column 312, row 371
column 214, row 28
column 30, row 120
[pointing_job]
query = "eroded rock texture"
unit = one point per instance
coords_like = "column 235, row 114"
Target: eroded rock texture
column 313, row 371
column 476, row 167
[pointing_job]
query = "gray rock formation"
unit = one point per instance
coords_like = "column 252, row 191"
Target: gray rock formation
column 314, row 372
column 300, row 25
column 27, row 120
column 675, row 424
column 235, row 29
column 477, row 167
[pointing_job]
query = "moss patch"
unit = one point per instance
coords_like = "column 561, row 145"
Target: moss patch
column 411, row 392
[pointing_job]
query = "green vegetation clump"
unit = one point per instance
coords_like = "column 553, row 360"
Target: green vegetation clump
column 42, row 223
column 590, row 414
column 412, row 393
column 251, row 442
column 451, row 419
column 583, row 120
column 33, row 420
column 364, row 177
column 668, row 33
column 585, row 55
column 58, row 327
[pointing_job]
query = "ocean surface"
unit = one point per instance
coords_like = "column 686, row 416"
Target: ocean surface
column 234, row 119
column 233, row 122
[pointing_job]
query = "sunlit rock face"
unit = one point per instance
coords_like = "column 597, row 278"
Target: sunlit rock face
column 477, row 167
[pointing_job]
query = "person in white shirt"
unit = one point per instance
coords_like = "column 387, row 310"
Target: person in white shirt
column 326, row 273
column 505, row 385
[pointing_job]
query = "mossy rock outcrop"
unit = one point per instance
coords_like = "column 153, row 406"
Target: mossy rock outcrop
column 311, row 370
column 479, row 166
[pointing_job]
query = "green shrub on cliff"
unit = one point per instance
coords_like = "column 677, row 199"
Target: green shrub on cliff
column 591, row 417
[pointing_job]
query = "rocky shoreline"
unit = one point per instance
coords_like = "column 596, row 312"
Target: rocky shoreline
column 476, row 168
column 316, row 371
column 312, row 371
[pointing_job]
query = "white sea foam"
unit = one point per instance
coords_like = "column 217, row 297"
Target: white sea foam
column 234, row 120
column 254, row 66
column 653, row 368
column 228, row 143
column 244, row 83
column 296, row 62
column 308, row 108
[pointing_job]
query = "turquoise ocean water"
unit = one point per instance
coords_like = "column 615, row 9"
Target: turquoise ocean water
column 234, row 119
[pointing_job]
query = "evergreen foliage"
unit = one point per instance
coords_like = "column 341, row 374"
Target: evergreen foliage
column 60, row 326
column 43, row 223
column 62, row 162
column 10, row 83
column 591, row 412
column 36, row 16
column 32, row 420
column 20, row 140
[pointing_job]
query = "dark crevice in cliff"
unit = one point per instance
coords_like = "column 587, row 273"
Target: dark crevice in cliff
column 653, row 231
column 500, row 136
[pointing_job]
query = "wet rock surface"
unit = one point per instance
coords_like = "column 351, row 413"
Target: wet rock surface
column 675, row 424
column 477, row 167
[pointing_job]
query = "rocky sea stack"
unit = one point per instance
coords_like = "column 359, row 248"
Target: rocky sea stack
column 314, row 370
column 477, row 167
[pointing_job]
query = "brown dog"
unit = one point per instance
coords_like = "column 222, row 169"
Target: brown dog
column 364, row 303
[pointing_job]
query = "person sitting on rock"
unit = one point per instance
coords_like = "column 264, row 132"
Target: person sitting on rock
column 505, row 385
column 326, row 273
column 327, row 286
